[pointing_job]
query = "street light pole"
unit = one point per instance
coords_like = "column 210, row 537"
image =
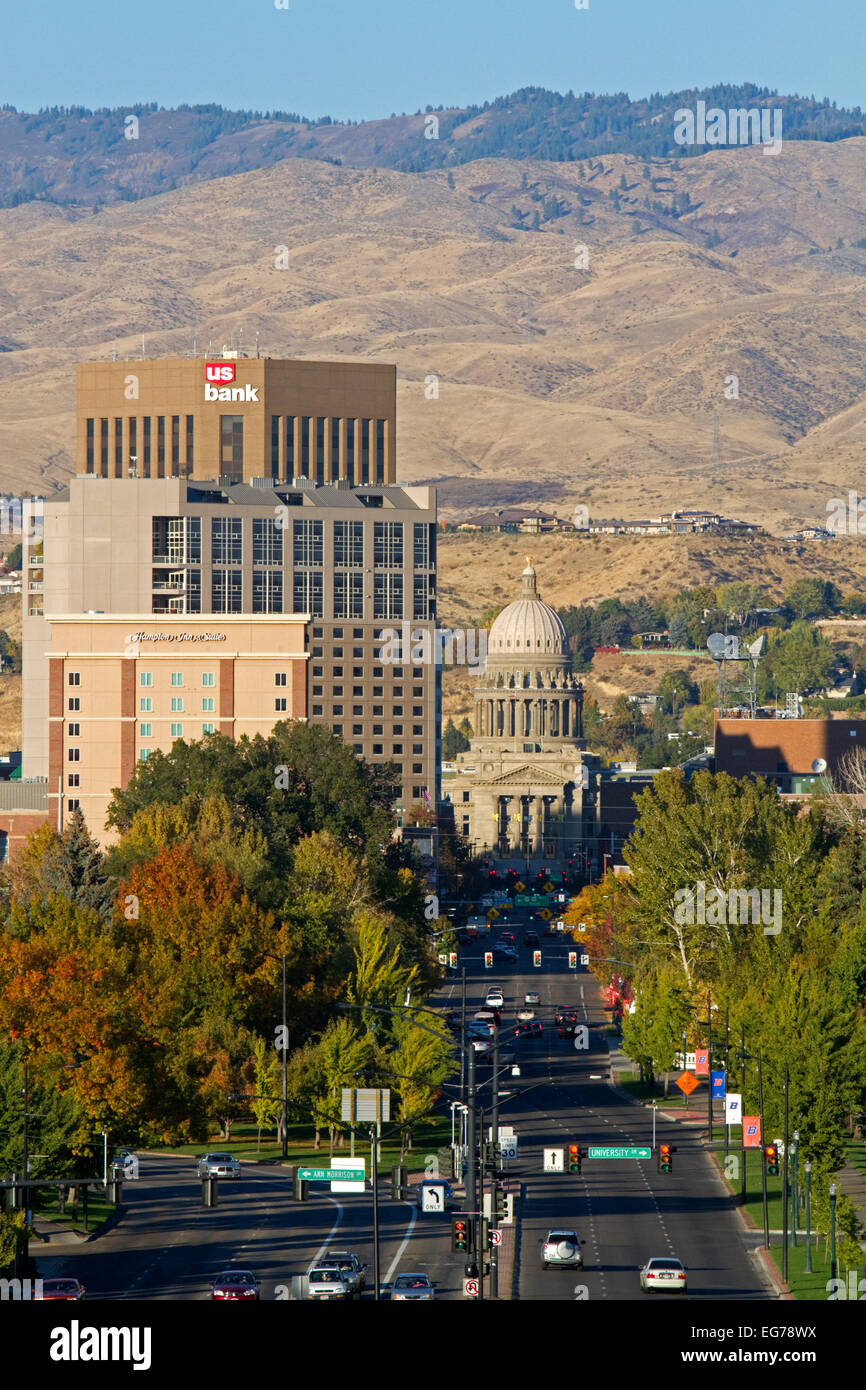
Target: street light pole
column 832, row 1230
column 284, row 1039
column 494, row 1181
column 785, row 1190
column 374, row 1178
column 807, row 1169
column 795, row 1149
column 742, row 1102
column 709, row 1068
column 763, row 1164
column 470, row 1185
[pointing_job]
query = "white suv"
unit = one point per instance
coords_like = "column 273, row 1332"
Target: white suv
column 562, row 1250
column 495, row 998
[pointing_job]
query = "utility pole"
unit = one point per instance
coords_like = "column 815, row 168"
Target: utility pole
column 742, row 1102
column 795, row 1149
column 785, row 1189
column 725, row 1107
column 763, row 1164
column 494, row 1185
column 710, row 1067
column 374, row 1178
column 284, row 1039
column 463, row 1034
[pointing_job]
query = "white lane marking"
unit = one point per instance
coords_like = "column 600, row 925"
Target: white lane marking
column 399, row 1255
column 330, row 1236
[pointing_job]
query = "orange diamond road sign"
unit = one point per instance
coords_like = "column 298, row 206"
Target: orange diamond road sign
column 520, row 887
column 546, row 914
column 548, row 887
column 492, row 915
column 687, row 1082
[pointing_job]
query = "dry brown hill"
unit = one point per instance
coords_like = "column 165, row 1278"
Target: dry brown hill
column 556, row 384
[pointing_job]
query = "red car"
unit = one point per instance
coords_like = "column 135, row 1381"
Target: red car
column 68, row 1289
column 235, row 1284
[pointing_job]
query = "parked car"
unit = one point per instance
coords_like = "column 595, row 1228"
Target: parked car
column 218, row 1166
column 69, row 1290
column 353, row 1269
column 562, row 1250
column 413, row 1287
column 327, row 1282
column 234, row 1285
column 663, row 1274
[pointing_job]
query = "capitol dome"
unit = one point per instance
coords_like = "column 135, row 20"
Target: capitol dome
column 528, row 626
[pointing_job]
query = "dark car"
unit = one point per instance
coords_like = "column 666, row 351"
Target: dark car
column 506, row 938
column 530, row 938
column 67, row 1289
column 504, row 953
column 235, row 1284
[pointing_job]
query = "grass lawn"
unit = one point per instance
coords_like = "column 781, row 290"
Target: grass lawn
column 98, row 1210
column 674, row 1100
column 812, row 1287
column 856, row 1149
column 430, row 1135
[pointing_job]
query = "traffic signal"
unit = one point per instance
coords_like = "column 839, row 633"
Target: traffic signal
column 485, row 1233
column 488, row 960
column 461, row 1234
column 575, row 1158
column 398, row 1182
column 500, row 1206
column 452, row 959
column 536, row 958
column 666, row 1162
column 771, row 1156
column 572, row 960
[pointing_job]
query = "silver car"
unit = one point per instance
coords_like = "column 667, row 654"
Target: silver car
column 562, row 1250
column 327, row 1282
column 218, row 1165
column 413, row 1287
column 351, row 1268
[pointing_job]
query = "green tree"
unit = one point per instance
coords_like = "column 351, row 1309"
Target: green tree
column 73, row 867
column 676, row 689
column 799, row 659
column 453, row 741
column 813, row 598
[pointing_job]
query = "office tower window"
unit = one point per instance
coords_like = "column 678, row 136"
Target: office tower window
column 207, row 728
column 103, row 447
column 208, row 704
column 290, row 446
column 74, row 677
column 349, row 543
column 308, row 595
column 193, row 537
column 421, row 545
column 317, row 711
column 90, row 445
column 160, row 446
column 232, row 446
column 193, row 591
column 320, row 450
column 348, row 595
column 75, row 755
column 397, row 728
column 377, row 749
column 74, row 804
column 267, row 541
column 380, row 451
column 275, row 446
column 281, row 705
column 388, row 544
column 145, row 426
column 190, row 442
column 145, row 731
column 145, row 678
column 366, row 426
column 397, row 748
column 305, row 446
column 133, row 445
column 118, row 448
column 74, row 779
column 177, row 731
column 208, row 678
column 417, row 767
column 226, row 591
column 75, row 703
column 175, row 445
column 388, row 596
column 177, row 678
column 75, row 731
column 318, row 689
column 282, row 678
column 337, row 729
column 177, row 704
column 267, row 591
column 145, row 704
column 226, row 540
column 420, row 596
column 350, row 449
column 338, row 670
column 335, row 448
column 308, row 542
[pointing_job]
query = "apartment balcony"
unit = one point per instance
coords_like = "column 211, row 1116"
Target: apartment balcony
column 173, row 559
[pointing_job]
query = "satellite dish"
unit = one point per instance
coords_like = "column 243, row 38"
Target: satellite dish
column 819, row 765
column 716, row 643
column 756, row 650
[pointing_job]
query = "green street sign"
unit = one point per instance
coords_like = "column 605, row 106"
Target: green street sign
column 330, row 1175
column 618, row 1153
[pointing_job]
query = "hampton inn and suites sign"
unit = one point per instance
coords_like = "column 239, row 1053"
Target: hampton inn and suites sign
column 176, row 637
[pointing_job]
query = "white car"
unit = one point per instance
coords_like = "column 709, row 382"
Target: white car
column 525, row 1015
column 495, row 997
column 562, row 1250
column 218, row 1165
column 663, row 1274
column 532, row 997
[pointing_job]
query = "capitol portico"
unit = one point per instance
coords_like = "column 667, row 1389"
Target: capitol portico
column 527, row 790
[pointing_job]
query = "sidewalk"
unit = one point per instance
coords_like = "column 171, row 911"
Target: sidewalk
column 853, row 1184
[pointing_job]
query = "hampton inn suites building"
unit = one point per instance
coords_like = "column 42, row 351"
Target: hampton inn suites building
column 233, row 550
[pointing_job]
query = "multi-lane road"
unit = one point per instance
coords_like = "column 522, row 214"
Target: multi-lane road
column 167, row 1246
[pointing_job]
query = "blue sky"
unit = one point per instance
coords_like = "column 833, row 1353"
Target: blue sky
column 359, row 59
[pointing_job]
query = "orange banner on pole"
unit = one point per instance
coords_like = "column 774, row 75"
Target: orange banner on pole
column 751, row 1131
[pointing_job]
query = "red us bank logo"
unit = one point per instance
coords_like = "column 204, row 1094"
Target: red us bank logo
column 219, row 371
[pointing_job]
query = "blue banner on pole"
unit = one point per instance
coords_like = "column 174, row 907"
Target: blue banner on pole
column 717, row 1082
